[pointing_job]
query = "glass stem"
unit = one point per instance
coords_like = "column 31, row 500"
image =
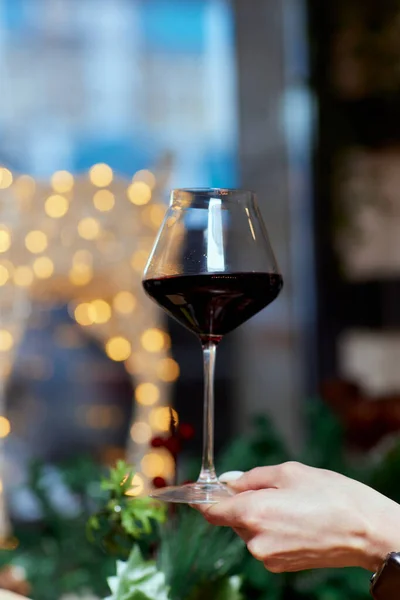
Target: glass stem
column 207, row 474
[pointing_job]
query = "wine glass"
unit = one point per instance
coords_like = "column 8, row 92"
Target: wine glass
column 211, row 268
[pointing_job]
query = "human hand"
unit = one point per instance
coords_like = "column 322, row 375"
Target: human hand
column 293, row 517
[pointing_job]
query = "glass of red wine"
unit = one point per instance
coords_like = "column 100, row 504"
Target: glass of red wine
column 211, row 268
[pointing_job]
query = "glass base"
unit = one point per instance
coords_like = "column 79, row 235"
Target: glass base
column 194, row 493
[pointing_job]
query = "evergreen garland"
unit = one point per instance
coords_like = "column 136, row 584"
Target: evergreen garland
column 146, row 554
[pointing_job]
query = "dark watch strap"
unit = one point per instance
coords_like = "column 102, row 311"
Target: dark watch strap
column 385, row 584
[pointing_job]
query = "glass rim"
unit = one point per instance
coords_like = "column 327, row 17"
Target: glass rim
column 212, row 190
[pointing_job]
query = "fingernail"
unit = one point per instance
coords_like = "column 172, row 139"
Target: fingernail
column 230, row 476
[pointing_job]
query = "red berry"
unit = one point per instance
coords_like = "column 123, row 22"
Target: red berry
column 159, row 482
column 186, row 431
column 158, row 442
column 173, row 446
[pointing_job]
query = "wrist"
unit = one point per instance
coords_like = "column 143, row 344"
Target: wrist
column 382, row 537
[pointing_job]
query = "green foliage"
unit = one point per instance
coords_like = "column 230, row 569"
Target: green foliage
column 385, row 477
column 57, row 550
column 138, row 579
column 262, row 447
column 260, row 583
column 225, row 589
column 202, row 562
column 55, row 553
column 124, row 519
column 197, row 558
column 195, row 562
column 184, row 558
column 324, row 448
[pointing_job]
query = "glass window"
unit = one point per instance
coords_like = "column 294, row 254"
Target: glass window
column 124, row 82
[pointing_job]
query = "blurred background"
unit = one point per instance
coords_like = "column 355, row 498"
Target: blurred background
column 107, row 105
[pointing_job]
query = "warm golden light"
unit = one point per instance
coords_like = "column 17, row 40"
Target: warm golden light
column 152, row 465
column 101, row 311
column 56, row 206
column 5, row 369
column 139, row 260
column 43, row 267
column 169, row 463
column 24, row 187
column 118, row 348
column 5, row 427
column 104, row 200
column 124, row 303
column 62, row 182
column 160, row 418
column 137, row 486
column 141, row 432
column 5, row 239
column 139, row 193
column 23, row 276
column 9, row 544
column 157, row 214
column 81, row 273
column 171, row 221
column 168, row 370
column 101, row 175
column 82, row 256
column 158, row 463
column 36, row 241
column 136, row 363
column 146, row 177
column 167, row 341
column 89, row 228
column 153, row 340
column 4, row 275
column 84, row 314
column 6, row 340
column 1, row 487
column 6, row 178
column 147, row 394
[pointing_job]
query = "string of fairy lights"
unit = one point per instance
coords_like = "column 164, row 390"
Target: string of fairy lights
column 86, row 239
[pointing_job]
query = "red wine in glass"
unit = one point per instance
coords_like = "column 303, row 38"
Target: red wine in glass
column 212, row 305
column 211, row 268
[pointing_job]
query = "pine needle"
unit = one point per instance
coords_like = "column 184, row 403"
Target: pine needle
column 193, row 554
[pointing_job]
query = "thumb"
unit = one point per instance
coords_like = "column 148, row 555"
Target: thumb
column 230, row 476
column 256, row 479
